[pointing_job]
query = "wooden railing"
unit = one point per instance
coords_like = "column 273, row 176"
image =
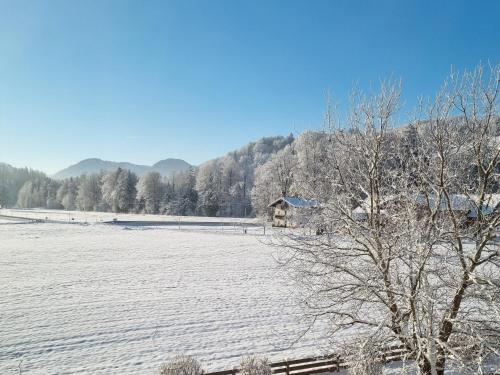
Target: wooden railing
column 318, row 365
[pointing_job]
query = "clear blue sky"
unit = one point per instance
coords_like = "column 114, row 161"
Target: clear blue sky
column 141, row 81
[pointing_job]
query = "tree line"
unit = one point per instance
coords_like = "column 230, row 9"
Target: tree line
column 220, row 187
column 307, row 169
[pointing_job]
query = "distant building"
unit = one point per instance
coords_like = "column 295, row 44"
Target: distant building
column 362, row 212
column 467, row 206
column 491, row 205
column 291, row 212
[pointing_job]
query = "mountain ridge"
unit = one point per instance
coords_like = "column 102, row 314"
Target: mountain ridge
column 95, row 165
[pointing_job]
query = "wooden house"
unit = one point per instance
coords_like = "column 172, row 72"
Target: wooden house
column 291, row 212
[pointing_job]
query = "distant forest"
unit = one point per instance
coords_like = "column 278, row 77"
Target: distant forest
column 220, row 187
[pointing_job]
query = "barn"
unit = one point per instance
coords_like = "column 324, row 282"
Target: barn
column 291, row 212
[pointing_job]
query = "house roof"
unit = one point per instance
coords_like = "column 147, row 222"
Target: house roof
column 359, row 210
column 296, row 202
column 462, row 202
column 458, row 202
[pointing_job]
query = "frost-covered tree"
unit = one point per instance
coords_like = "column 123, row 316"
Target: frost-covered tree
column 230, row 177
column 4, row 195
column 313, row 174
column 184, row 199
column 67, row 193
column 274, row 179
column 234, row 175
column 51, row 199
column 109, row 193
column 264, row 190
column 208, row 185
column 242, row 192
column 253, row 365
column 409, row 256
column 11, row 181
column 181, row 365
column 150, row 190
column 89, row 192
column 119, row 191
column 25, row 198
column 364, row 357
column 126, row 190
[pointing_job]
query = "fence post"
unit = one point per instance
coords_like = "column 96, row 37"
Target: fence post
column 287, row 368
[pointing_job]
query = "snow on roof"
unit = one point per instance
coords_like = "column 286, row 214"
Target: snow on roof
column 462, row 202
column 359, row 213
column 458, row 202
column 296, row 202
column 359, row 210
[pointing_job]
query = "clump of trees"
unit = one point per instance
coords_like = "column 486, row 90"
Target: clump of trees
column 38, row 192
column 12, row 180
column 117, row 191
column 225, row 184
column 418, row 268
column 89, row 196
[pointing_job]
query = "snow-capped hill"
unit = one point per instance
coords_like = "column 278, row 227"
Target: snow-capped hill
column 95, row 165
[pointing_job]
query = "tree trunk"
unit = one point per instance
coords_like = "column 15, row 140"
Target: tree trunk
column 440, row 365
column 425, row 366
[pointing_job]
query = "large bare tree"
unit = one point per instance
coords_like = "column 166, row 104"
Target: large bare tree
column 409, row 255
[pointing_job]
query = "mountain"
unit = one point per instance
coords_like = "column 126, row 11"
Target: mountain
column 167, row 166
column 94, row 165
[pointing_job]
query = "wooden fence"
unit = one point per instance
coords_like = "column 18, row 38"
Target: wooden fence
column 318, row 365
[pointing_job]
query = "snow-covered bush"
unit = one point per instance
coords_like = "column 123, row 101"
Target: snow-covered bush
column 252, row 365
column 364, row 359
column 181, row 365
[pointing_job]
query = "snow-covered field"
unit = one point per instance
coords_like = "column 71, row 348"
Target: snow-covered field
column 103, row 299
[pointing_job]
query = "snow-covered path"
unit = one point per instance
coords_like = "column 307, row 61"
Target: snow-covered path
column 102, row 299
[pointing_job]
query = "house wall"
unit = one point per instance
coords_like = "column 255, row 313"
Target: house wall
column 280, row 215
column 287, row 216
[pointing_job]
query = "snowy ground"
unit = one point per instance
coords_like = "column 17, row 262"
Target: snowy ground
column 101, row 299
column 96, row 217
column 105, row 299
